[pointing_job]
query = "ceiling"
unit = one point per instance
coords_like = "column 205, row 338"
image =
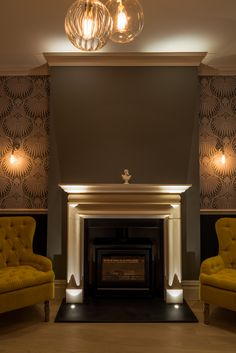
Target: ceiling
column 30, row 28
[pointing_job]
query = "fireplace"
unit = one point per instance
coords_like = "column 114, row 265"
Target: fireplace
column 123, row 257
column 123, row 202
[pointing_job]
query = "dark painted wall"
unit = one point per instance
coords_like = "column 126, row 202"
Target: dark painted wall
column 105, row 119
column 108, row 119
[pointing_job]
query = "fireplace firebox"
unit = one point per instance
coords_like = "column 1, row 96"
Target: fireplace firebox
column 123, row 257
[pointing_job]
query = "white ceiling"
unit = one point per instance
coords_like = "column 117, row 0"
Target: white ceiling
column 31, row 27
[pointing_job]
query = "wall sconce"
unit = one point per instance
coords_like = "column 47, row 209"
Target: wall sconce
column 15, row 147
column 220, row 147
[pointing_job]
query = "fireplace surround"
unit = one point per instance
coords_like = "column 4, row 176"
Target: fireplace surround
column 124, row 201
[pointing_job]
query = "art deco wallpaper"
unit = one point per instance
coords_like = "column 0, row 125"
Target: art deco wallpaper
column 24, row 129
column 24, row 123
column 218, row 137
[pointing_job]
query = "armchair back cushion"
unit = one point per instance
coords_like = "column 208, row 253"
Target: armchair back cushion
column 226, row 233
column 218, row 273
column 16, row 237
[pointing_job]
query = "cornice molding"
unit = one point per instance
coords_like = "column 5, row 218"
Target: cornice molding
column 119, row 59
column 205, row 70
column 24, row 71
column 125, row 59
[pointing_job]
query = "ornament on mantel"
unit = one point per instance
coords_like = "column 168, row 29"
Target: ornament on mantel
column 126, row 176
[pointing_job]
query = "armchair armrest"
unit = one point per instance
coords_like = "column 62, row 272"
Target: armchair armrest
column 212, row 265
column 39, row 262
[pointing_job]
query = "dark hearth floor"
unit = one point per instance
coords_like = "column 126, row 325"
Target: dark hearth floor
column 124, row 310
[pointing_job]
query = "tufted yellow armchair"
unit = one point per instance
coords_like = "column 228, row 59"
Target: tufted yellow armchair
column 218, row 273
column 25, row 278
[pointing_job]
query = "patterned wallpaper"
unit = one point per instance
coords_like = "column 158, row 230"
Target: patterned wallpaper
column 217, row 130
column 24, row 122
column 24, row 119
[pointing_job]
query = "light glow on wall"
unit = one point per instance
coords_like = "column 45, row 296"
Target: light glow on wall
column 179, row 43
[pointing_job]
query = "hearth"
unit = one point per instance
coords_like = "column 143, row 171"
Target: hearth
column 123, row 257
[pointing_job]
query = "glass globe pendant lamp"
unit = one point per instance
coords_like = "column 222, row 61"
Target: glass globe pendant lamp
column 88, row 24
column 128, row 19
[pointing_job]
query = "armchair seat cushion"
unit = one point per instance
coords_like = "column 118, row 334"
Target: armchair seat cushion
column 224, row 279
column 19, row 277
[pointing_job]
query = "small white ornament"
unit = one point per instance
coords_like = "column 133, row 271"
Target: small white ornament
column 126, row 176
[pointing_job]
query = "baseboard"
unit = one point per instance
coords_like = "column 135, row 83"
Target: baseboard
column 60, row 289
column 191, row 289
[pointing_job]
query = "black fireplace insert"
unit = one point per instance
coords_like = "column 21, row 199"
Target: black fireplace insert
column 122, row 266
column 123, row 257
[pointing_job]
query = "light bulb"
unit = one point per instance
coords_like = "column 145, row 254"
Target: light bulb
column 121, row 20
column 223, row 160
column 13, row 159
column 87, row 28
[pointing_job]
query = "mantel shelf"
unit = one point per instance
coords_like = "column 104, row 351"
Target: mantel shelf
column 124, row 188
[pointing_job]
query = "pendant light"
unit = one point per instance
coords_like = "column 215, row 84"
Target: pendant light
column 128, row 19
column 88, row 24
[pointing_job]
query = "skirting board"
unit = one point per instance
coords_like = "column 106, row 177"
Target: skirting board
column 191, row 289
column 60, row 289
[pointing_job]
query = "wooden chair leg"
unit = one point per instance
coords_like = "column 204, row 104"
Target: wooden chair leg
column 46, row 310
column 206, row 313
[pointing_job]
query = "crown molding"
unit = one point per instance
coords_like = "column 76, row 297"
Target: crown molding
column 205, row 70
column 125, row 59
column 24, row 70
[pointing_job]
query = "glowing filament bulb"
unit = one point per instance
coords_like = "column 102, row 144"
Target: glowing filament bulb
column 87, row 27
column 13, row 159
column 223, row 160
column 121, row 18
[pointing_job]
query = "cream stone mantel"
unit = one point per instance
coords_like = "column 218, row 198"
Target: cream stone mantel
column 124, row 201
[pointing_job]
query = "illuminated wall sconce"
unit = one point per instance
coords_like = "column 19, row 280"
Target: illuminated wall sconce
column 74, row 293
column 220, row 147
column 15, row 147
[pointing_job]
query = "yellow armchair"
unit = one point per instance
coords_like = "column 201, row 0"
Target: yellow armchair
column 25, row 278
column 218, row 273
